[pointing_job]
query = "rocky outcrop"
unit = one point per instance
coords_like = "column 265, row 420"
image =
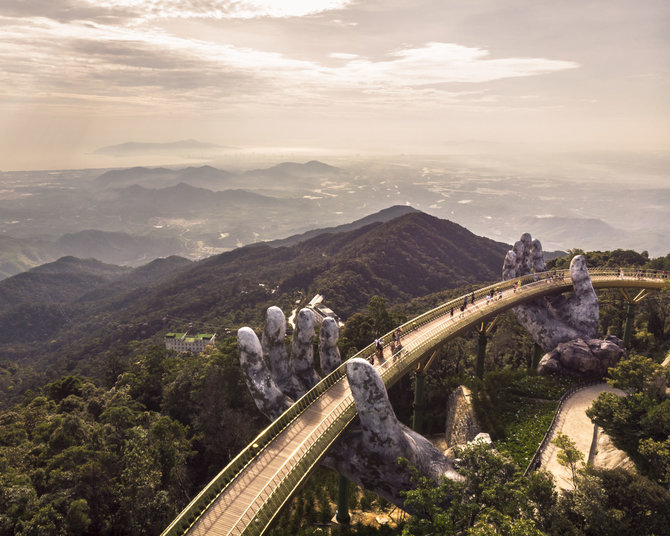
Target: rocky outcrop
column 461, row 425
column 584, row 358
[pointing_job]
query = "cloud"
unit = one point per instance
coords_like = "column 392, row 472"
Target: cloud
column 222, row 9
column 70, row 10
column 440, row 63
column 343, row 56
column 59, row 57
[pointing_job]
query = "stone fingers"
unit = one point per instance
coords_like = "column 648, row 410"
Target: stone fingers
column 274, row 349
column 518, row 259
column 537, row 257
column 302, row 349
column 329, row 353
column 523, row 257
column 509, row 266
column 269, row 399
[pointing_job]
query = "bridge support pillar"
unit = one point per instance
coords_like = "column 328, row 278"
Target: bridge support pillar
column 419, row 400
column 630, row 313
column 483, row 331
column 342, row 515
column 419, row 393
column 628, row 328
column 481, row 354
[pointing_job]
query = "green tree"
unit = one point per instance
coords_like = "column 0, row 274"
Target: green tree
column 638, row 423
column 569, row 455
column 382, row 322
column 610, row 502
column 77, row 518
column 494, row 498
column 636, row 374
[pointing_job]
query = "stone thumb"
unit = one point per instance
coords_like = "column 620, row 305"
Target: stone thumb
column 581, row 280
column 380, row 426
column 267, row 396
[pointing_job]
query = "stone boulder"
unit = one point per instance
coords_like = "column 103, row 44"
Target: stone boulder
column 585, row 358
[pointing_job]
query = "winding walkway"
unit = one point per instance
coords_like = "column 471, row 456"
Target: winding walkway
column 573, row 422
column 588, row 437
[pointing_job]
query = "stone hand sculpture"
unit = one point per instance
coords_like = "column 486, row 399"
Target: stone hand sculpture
column 367, row 452
column 566, row 327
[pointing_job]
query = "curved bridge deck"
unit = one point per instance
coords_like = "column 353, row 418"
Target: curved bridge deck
column 246, row 496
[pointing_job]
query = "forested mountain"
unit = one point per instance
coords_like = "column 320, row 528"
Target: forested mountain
column 381, row 216
column 57, row 282
column 406, row 257
column 19, row 255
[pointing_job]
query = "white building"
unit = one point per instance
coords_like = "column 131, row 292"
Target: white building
column 186, row 342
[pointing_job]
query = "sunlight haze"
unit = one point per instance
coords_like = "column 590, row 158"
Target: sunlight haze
column 332, row 75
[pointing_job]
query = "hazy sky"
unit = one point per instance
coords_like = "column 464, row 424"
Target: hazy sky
column 344, row 75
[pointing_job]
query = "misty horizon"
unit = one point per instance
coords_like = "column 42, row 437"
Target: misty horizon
column 330, row 77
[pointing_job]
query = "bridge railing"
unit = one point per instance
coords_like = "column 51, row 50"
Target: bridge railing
column 262, row 510
column 390, row 371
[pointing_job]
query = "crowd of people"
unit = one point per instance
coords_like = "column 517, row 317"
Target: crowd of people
column 396, row 347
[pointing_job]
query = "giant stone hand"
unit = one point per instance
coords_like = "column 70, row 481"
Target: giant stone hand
column 367, row 452
column 566, row 327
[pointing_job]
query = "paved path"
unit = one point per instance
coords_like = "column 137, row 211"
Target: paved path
column 574, row 423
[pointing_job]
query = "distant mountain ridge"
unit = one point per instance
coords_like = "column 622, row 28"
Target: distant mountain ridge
column 20, row 255
column 57, row 282
column 127, row 148
column 116, row 248
column 214, row 178
column 408, row 256
column 69, row 278
column 311, row 168
column 588, row 233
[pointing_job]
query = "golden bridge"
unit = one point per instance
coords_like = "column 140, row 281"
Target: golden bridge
column 248, row 493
